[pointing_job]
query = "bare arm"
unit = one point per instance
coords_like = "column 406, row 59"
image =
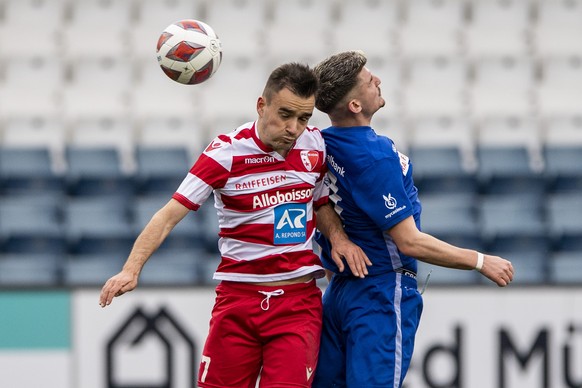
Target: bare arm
column 427, row 248
column 154, row 233
column 329, row 223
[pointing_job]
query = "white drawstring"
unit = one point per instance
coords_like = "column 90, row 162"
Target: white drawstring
column 268, row 294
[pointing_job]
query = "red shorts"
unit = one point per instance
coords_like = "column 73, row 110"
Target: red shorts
column 273, row 331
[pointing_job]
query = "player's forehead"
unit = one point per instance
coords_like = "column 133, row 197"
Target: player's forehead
column 286, row 100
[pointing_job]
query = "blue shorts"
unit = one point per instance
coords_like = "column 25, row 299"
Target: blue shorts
column 368, row 333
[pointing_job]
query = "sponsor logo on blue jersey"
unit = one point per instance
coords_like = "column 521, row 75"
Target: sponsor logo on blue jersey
column 391, row 203
column 290, row 226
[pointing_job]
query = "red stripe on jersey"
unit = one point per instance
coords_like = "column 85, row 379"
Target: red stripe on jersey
column 320, row 202
column 268, row 265
column 301, row 193
column 257, row 233
column 210, row 171
column 185, row 201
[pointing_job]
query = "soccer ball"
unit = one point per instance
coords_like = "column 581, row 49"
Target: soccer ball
column 189, row 51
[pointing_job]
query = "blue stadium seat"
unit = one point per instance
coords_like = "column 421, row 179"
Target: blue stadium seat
column 90, row 269
column 530, row 264
column 510, row 218
column 98, row 224
column 507, row 170
column 566, row 268
column 27, row 170
column 161, row 170
column 95, row 171
column 563, row 170
column 39, row 269
column 188, row 234
column 564, row 219
column 447, row 215
column 441, row 169
column 173, row 268
column 31, row 223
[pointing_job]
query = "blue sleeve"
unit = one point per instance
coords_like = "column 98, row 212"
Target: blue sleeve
column 380, row 193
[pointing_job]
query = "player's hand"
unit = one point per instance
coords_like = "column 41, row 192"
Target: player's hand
column 498, row 270
column 353, row 255
column 116, row 286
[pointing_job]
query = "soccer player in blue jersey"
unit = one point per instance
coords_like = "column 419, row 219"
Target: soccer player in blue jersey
column 370, row 323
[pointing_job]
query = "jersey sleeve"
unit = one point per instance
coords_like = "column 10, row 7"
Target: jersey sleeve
column 380, row 193
column 210, row 171
column 321, row 190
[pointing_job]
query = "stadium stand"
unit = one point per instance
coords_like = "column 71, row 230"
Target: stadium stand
column 94, row 137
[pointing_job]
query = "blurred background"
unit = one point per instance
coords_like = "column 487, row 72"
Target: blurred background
column 485, row 96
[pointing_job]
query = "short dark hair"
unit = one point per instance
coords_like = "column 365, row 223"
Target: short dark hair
column 337, row 76
column 297, row 77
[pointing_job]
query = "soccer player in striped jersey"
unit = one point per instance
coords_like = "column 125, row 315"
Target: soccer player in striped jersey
column 369, row 324
column 267, row 180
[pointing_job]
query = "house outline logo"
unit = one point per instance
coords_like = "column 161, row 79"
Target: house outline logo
column 157, row 325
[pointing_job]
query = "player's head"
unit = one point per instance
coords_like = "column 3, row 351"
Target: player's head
column 286, row 105
column 346, row 86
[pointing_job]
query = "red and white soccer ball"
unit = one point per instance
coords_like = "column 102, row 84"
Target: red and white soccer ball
column 189, row 51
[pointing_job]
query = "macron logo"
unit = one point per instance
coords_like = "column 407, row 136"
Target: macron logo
column 337, row 168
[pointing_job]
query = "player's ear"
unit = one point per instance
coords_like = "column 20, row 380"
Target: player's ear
column 261, row 106
column 354, row 106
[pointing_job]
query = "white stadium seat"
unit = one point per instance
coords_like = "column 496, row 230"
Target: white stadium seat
column 512, row 32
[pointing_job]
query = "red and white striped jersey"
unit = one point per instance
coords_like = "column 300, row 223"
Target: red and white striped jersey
column 265, row 203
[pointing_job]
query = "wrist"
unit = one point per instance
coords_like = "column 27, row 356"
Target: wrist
column 480, row 260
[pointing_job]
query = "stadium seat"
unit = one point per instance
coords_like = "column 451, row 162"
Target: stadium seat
column 23, row 75
column 31, row 224
column 509, row 156
column 44, row 20
column 226, row 107
column 37, row 132
column 566, row 268
column 558, row 25
column 510, row 36
column 560, row 86
column 530, row 266
column 563, row 153
column 240, row 25
column 161, row 170
column 564, row 219
column 91, row 269
column 28, row 170
column 29, row 270
column 98, row 224
column 99, row 87
column 96, row 171
column 112, row 19
column 507, row 219
column 299, row 30
column 446, row 215
column 442, row 155
column 173, row 268
column 435, row 86
column 376, row 37
column 502, row 87
column 188, row 234
column 432, row 28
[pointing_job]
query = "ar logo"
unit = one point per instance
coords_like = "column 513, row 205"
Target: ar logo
column 157, row 336
column 290, row 224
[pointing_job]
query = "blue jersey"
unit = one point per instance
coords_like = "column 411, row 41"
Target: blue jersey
column 372, row 190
